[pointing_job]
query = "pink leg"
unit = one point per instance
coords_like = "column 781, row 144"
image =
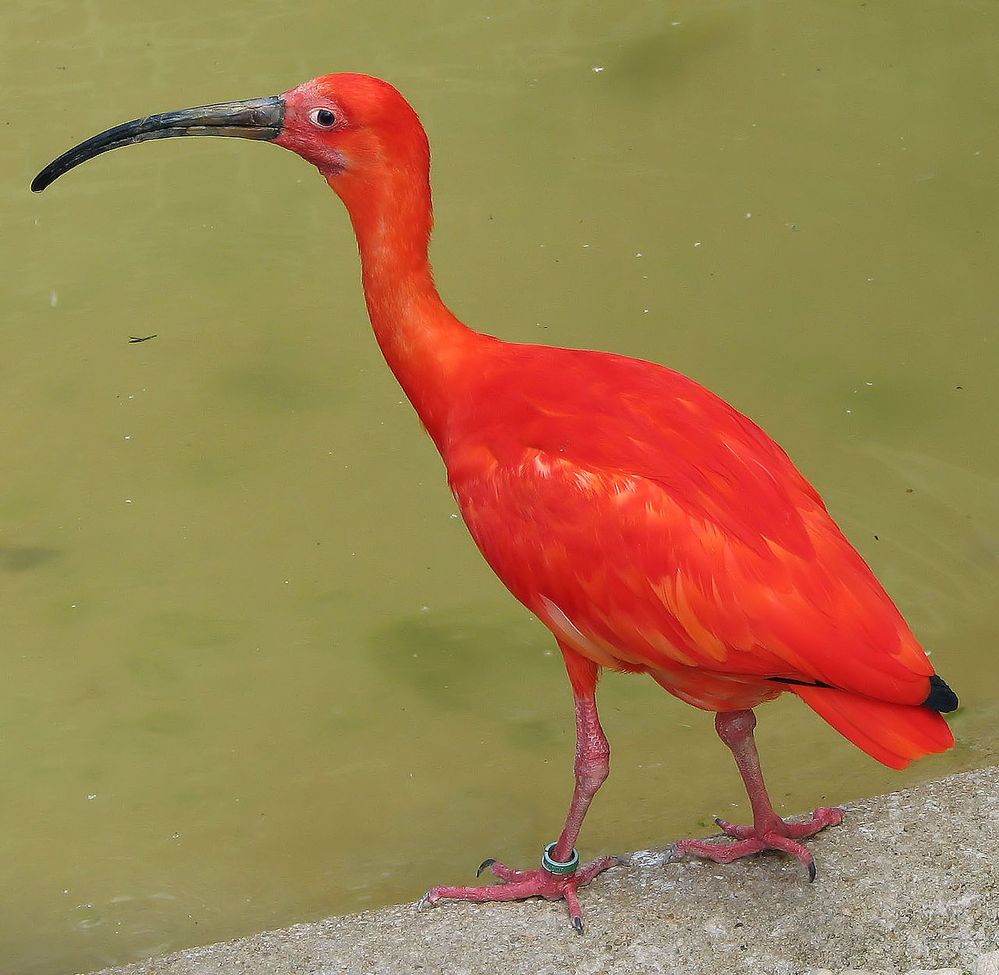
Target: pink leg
column 769, row 831
column 559, row 879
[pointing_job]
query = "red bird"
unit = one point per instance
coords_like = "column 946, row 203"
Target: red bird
column 651, row 527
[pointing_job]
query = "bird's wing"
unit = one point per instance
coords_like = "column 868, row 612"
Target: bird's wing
column 672, row 532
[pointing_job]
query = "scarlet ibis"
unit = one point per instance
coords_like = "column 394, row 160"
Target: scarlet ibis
column 648, row 524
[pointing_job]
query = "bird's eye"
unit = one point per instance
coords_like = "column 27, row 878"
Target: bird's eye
column 322, row 117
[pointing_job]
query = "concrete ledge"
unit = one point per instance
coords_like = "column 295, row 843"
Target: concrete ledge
column 907, row 883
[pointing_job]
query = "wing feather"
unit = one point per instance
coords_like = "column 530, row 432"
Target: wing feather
column 672, row 533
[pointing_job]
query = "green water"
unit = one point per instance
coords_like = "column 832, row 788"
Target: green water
column 254, row 671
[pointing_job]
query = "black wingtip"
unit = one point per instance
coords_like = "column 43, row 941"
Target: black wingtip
column 941, row 697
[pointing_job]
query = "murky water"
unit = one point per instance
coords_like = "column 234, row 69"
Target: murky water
column 254, row 671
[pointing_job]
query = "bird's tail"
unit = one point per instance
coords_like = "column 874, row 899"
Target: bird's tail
column 894, row 734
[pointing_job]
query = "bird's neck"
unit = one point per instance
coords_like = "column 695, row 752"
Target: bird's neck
column 423, row 343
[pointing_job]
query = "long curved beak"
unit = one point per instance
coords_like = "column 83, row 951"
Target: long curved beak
column 256, row 118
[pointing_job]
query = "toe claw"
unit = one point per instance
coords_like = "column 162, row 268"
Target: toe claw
column 425, row 902
column 811, row 872
column 488, row 862
column 577, row 923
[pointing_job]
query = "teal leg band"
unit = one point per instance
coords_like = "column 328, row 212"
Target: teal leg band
column 554, row 866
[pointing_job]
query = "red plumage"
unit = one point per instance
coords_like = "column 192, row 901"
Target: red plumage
column 654, row 528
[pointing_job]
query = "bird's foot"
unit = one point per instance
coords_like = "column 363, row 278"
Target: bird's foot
column 776, row 834
column 553, row 881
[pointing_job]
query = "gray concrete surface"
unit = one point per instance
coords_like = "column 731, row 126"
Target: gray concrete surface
column 908, row 883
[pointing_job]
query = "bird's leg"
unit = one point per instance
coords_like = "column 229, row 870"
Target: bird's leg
column 559, row 875
column 769, row 831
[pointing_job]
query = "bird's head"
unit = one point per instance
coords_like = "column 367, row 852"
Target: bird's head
column 357, row 130
column 352, row 125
